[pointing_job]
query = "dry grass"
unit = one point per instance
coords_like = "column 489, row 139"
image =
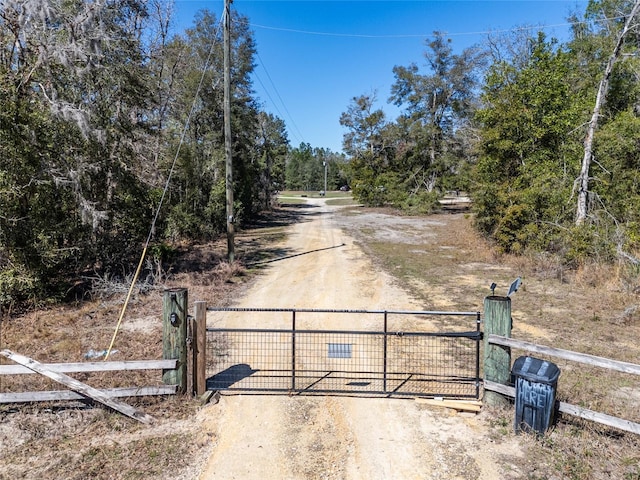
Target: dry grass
column 77, row 442
column 593, row 310
column 72, row 440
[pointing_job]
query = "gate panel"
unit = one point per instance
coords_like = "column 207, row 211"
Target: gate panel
column 240, row 359
column 433, row 365
column 332, row 362
column 443, row 364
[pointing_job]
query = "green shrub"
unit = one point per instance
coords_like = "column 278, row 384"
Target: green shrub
column 421, row 203
column 510, row 233
column 16, row 286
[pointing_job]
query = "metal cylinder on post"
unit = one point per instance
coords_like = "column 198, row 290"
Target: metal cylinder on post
column 497, row 359
column 174, row 336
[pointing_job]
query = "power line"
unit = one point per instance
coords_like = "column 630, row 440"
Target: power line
column 279, row 97
column 275, row 106
column 422, row 35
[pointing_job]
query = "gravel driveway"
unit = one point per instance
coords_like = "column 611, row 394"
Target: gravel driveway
column 294, row 437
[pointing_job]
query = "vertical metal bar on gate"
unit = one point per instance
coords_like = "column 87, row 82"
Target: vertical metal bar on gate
column 384, row 371
column 479, row 337
column 403, row 369
column 293, row 350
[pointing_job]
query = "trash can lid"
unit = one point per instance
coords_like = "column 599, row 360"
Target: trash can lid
column 536, row 370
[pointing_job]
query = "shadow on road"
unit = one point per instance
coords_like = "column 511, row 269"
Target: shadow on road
column 229, row 376
column 285, row 257
column 256, row 253
column 283, row 216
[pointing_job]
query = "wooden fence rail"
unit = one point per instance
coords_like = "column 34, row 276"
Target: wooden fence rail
column 592, row 360
column 174, row 367
column 81, row 391
column 61, row 395
column 563, row 407
column 92, row 366
column 55, row 395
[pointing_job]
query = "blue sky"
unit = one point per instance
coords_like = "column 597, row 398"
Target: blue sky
column 315, row 56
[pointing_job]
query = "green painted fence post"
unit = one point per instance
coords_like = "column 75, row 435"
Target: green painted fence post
column 174, row 336
column 497, row 359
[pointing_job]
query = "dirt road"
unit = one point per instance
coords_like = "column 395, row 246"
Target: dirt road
column 281, row 437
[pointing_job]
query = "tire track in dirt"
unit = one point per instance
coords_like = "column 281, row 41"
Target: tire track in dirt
column 313, row 437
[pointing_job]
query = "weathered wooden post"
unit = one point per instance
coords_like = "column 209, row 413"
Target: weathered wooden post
column 199, row 330
column 497, row 359
column 174, row 336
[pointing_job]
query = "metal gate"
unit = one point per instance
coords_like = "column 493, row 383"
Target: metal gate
column 388, row 353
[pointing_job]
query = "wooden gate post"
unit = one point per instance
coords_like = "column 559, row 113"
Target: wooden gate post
column 497, row 359
column 199, row 330
column 174, row 336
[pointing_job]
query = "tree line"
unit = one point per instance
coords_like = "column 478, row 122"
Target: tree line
column 545, row 136
column 96, row 97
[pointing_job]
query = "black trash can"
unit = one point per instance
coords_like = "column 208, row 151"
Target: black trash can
column 536, row 384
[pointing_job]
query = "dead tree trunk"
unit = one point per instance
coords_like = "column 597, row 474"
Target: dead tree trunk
column 582, row 182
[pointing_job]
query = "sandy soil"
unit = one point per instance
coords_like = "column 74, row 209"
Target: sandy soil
column 281, row 437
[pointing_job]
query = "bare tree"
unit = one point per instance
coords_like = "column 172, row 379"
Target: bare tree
column 582, row 182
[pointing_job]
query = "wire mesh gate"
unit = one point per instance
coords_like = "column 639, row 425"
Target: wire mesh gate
column 405, row 355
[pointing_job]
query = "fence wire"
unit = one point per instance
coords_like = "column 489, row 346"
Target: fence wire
column 368, row 362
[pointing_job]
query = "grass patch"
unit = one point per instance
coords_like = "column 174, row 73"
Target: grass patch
column 340, row 201
column 300, row 197
column 314, row 194
column 291, row 200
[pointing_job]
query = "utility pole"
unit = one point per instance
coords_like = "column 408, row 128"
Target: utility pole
column 227, row 132
column 324, row 164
